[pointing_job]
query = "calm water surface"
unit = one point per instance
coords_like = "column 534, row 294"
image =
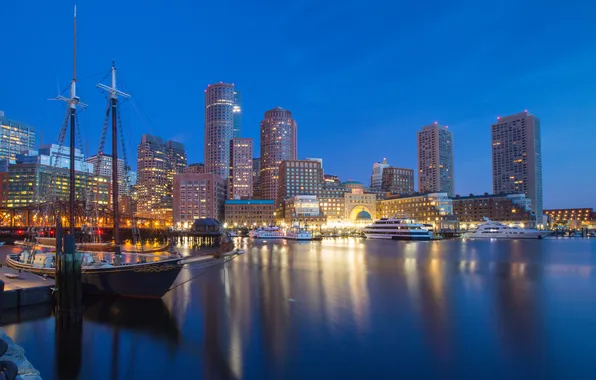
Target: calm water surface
column 350, row 308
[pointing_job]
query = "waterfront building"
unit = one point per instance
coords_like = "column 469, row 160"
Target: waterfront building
column 298, row 177
column 376, row 178
column 435, row 209
column 157, row 163
column 398, row 181
column 505, row 208
column 56, row 156
column 249, row 213
column 435, row 160
column 278, row 143
column 237, row 110
column 197, row 196
column 241, row 172
column 197, row 168
column 256, row 178
column 517, row 159
column 332, row 202
column 303, row 210
column 360, row 207
column 219, row 128
column 320, row 160
column 34, row 183
column 572, row 217
column 15, row 138
column 102, row 165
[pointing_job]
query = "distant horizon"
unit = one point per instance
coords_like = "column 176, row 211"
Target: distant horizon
column 359, row 82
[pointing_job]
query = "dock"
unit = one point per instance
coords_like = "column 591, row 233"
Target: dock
column 26, row 289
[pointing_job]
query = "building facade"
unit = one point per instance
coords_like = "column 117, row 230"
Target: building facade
column 572, row 217
column 197, row 196
column 256, row 178
column 303, row 210
column 219, row 128
column 398, row 181
column 102, row 165
column 157, row 163
column 506, row 208
column 249, row 213
column 376, row 179
column 278, row 143
column 198, row 168
column 15, row 138
column 360, row 207
column 517, row 158
column 435, row 209
column 332, row 202
column 298, row 177
column 435, row 160
column 241, row 172
column 34, row 184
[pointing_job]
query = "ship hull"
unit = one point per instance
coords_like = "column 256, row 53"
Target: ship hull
column 148, row 280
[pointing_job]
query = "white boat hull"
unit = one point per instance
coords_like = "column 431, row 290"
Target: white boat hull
column 397, row 237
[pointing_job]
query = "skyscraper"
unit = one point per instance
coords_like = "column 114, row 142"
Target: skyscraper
column 102, row 165
column 240, row 182
column 157, row 163
column 435, row 160
column 376, row 178
column 15, row 137
column 278, row 143
column 517, row 159
column 197, row 196
column 219, row 128
column 237, row 112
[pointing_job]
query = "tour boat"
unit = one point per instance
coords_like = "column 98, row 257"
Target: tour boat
column 297, row 233
column 268, row 233
column 397, row 229
column 495, row 230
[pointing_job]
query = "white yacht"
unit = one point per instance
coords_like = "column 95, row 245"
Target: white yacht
column 495, row 230
column 268, row 233
column 398, row 229
column 297, row 233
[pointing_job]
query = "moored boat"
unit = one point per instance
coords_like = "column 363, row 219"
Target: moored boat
column 268, row 233
column 495, row 230
column 397, row 229
column 298, row 233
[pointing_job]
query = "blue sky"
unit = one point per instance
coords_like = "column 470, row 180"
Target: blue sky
column 360, row 77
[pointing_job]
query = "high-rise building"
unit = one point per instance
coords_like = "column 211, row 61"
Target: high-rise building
column 198, row 168
column 157, row 163
column 278, row 143
column 376, row 178
column 219, row 128
column 240, row 181
column 256, row 178
column 102, row 165
column 435, row 160
column 517, row 159
column 15, row 138
column 237, row 113
column 198, row 196
column 398, row 181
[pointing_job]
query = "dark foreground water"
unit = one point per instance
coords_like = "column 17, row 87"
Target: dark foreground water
column 351, row 308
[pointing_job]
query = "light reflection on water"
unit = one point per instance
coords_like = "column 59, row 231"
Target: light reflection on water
column 352, row 308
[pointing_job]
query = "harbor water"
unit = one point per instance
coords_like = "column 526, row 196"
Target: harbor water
column 348, row 308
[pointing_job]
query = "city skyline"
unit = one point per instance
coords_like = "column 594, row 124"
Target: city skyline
column 556, row 87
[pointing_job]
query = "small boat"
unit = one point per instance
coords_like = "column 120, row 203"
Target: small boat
column 298, row 233
column 397, row 229
column 495, row 230
column 268, row 233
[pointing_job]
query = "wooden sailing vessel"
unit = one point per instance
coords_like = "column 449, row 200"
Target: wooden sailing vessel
column 138, row 275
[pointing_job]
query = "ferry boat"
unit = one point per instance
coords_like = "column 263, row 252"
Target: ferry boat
column 397, row 229
column 268, row 233
column 495, row 230
column 297, row 233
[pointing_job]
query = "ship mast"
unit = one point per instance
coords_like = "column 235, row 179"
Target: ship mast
column 73, row 102
column 114, row 93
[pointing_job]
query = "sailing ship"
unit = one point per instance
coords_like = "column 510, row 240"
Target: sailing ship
column 110, row 273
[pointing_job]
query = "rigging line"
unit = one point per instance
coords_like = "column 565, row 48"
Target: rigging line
column 205, row 267
column 79, row 80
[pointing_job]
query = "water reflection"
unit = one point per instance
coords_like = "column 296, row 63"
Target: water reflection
column 348, row 308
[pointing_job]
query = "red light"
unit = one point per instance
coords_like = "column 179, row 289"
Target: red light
column 51, row 232
column 20, row 232
column 99, row 232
